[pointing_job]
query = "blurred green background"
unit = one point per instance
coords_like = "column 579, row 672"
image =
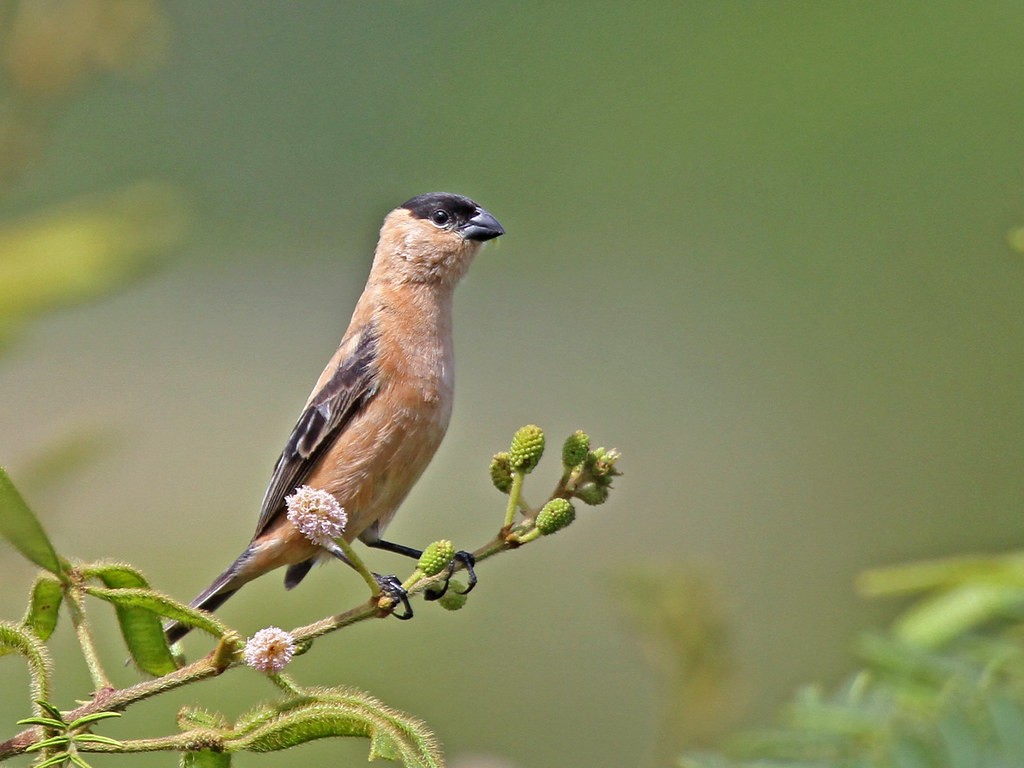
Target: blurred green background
column 765, row 249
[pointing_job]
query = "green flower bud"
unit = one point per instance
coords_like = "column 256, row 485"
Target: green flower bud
column 555, row 516
column 436, row 557
column 576, row 448
column 600, row 463
column 592, row 493
column 455, row 597
column 527, row 448
column 501, row 472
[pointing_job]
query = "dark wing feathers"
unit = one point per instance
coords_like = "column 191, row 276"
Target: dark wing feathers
column 344, row 394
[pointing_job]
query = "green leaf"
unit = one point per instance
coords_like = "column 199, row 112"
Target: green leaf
column 301, row 724
column 94, row 717
column 140, row 625
column 253, row 718
column 20, row 640
column 138, row 611
column 21, row 527
column 53, row 711
column 910, row 578
column 44, row 606
column 340, row 712
column 46, row 722
column 205, row 759
column 936, row 620
column 75, row 251
column 161, row 605
column 57, row 759
column 53, row 741
column 95, row 738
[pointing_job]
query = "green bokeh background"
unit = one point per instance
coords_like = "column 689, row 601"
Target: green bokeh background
column 759, row 247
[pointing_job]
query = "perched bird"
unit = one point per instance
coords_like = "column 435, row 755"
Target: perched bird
column 382, row 405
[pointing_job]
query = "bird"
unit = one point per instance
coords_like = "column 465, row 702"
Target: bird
column 381, row 407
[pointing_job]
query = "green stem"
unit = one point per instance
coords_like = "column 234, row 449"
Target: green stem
column 566, row 486
column 286, row 684
column 409, row 583
column 363, row 612
column 115, row 700
column 513, row 498
column 356, row 562
column 99, row 678
column 121, row 699
column 178, row 742
column 526, row 538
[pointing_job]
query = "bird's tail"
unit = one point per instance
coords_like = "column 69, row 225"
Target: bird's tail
column 210, row 599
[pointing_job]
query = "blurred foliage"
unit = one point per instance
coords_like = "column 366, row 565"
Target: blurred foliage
column 1015, row 237
column 944, row 688
column 678, row 618
column 47, row 471
column 51, row 51
column 63, row 253
column 961, row 593
column 83, row 250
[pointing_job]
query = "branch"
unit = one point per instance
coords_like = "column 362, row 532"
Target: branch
column 212, row 665
column 587, row 476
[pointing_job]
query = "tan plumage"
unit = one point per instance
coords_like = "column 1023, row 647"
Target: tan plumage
column 382, row 404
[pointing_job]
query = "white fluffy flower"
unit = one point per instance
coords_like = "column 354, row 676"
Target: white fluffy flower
column 269, row 650
column 316, row 514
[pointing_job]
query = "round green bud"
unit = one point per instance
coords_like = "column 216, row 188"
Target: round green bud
column 436, row 557
column 501, row 472
column 592, row 493
column 527, row 448
column 455, row 597
column 555, row 516
column 576, row 448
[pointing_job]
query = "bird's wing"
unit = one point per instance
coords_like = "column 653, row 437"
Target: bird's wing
column 344, row 394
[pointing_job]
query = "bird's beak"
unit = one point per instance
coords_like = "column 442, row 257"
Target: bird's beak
column 482, row 227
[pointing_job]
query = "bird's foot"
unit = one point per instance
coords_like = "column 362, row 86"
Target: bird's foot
column 468, row 561
column 393, row 592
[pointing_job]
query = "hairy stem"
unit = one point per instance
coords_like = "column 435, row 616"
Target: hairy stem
column 286, row 684
column 77, row 607
column 109, row 699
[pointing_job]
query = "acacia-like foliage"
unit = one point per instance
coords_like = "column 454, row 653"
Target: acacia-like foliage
column 944, row 688
column 302, row 713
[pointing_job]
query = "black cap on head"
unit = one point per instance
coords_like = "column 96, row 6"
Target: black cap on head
column 459, row 213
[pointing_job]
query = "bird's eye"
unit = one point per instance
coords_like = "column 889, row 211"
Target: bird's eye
column 440, row 217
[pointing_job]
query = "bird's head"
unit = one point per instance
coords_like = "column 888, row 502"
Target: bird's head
column 433, row 238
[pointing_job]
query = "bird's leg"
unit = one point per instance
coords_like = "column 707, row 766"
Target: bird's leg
column 389, row 586
column 466, row 558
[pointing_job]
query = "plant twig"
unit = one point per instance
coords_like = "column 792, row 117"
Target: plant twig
column 107, row 698
column 77, row 606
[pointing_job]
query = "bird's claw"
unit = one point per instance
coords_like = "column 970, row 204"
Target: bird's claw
column 468, row 561
column 392, row 589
